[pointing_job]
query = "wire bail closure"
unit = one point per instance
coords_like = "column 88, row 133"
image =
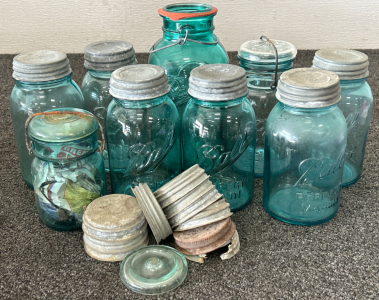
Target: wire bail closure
column 182, row 41
column 29, row 145
column 275, row 83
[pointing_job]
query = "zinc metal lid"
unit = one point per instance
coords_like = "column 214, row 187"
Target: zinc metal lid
column 308, row 88
column 62, row 127
column 139, row 82
column 347, row 64
column 262, row 52
column 108, row 55
column 218, row 82
column 40, row 66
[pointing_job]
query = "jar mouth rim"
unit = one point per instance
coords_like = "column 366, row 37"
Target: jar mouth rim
column 179, row 11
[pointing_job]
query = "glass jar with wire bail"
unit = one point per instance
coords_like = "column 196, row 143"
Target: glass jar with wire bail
column 218, row 131
column 304, row 148
column 101, row 59
column 188, row 42
column 264, row 60
column 68, row 171
column 43, row 82
column 356, row 103
column 142, row 128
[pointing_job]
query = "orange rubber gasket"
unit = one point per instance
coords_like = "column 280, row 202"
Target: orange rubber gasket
column 175, row 16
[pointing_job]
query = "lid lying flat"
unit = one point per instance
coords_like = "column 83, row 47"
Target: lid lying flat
column 139, row 82
column 153, row 270
column 108, row 55
column 347, row 64
column 218, row 82
column 40, row 66
column 262, row 52
column 62, row 127
column 308, row 88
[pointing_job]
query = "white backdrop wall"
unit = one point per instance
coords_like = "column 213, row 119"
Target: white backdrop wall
column 70, row 25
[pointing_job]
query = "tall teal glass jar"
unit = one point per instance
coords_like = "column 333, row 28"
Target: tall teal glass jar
column 188, row 42
column 142, row 128
column 258, row 58
column 101, row 59
column 68, row 171
column 43, row 82
column 218, row 131
column 356, row 103
column 304, row 148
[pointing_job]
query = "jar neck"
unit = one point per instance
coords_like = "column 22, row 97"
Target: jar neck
column 219, row 104
column 301, row 110
column 352, row 82
column 101, row 74
column 44, row 84
column 198, row 28
column 140, row 103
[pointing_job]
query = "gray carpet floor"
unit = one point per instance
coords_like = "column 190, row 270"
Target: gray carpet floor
column 336, row 260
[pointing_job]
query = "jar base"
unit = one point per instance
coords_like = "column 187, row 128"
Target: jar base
column 350, row 175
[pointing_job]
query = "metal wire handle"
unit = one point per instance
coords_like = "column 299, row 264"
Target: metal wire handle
column 182, row 41
column 59, row 112
column 275, row 83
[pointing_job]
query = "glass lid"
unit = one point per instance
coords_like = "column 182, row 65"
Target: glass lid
column 153, row 270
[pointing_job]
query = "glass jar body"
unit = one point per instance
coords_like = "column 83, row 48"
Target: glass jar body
column 28, row 98
column 220, row 138
column 143, row 143
column 356, row 105
column 66, row 178
column 95, row 88
column 304, row 155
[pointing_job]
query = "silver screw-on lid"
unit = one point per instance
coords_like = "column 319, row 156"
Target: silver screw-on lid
column 39, row 66
column 308, row 88
column 108, row 55
column 218, row 82
column 347, row 64
column 139, row 82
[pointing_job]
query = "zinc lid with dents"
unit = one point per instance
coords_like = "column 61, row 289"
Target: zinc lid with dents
column 108, row 55
column 139, row 82
column 308, row 88
column 153, row 270
column 62, row 127
column 218, row 82
column 347, row 64
column 40, row 66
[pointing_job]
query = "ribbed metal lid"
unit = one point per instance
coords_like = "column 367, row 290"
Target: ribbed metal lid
column 39, row 66
column 308, row 88
column 262, row 52
column 347, row 64
column 139, row 82
column 108, row 55
column 217, row 82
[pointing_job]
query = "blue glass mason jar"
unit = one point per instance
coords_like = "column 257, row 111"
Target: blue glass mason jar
column 43, row 82
column 101, row 59
column 142, row 128
column 304, row 148
column 356, row 103
column 68, row 171
column 218, row 131
column 258, row 58
column 188, row 42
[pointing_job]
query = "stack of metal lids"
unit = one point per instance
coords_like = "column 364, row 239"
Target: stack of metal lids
column 114, row 226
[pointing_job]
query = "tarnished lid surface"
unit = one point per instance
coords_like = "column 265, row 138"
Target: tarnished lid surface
column 40, row 66
column 108, row 55
column 262, row 52
column 347, row 64
column 218, row 82
column 308, row 88
column 139, row 82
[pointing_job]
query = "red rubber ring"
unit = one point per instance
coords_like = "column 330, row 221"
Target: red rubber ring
column 175, row 16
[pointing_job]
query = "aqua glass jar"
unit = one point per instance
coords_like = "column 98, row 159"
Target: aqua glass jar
column 356, row 103
column 142, row 128
column 101, row 59
column 304, row 148
column 68, row 171
column 258, row 58
column 188, row 42
column 218, row 131
column 43, row 82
